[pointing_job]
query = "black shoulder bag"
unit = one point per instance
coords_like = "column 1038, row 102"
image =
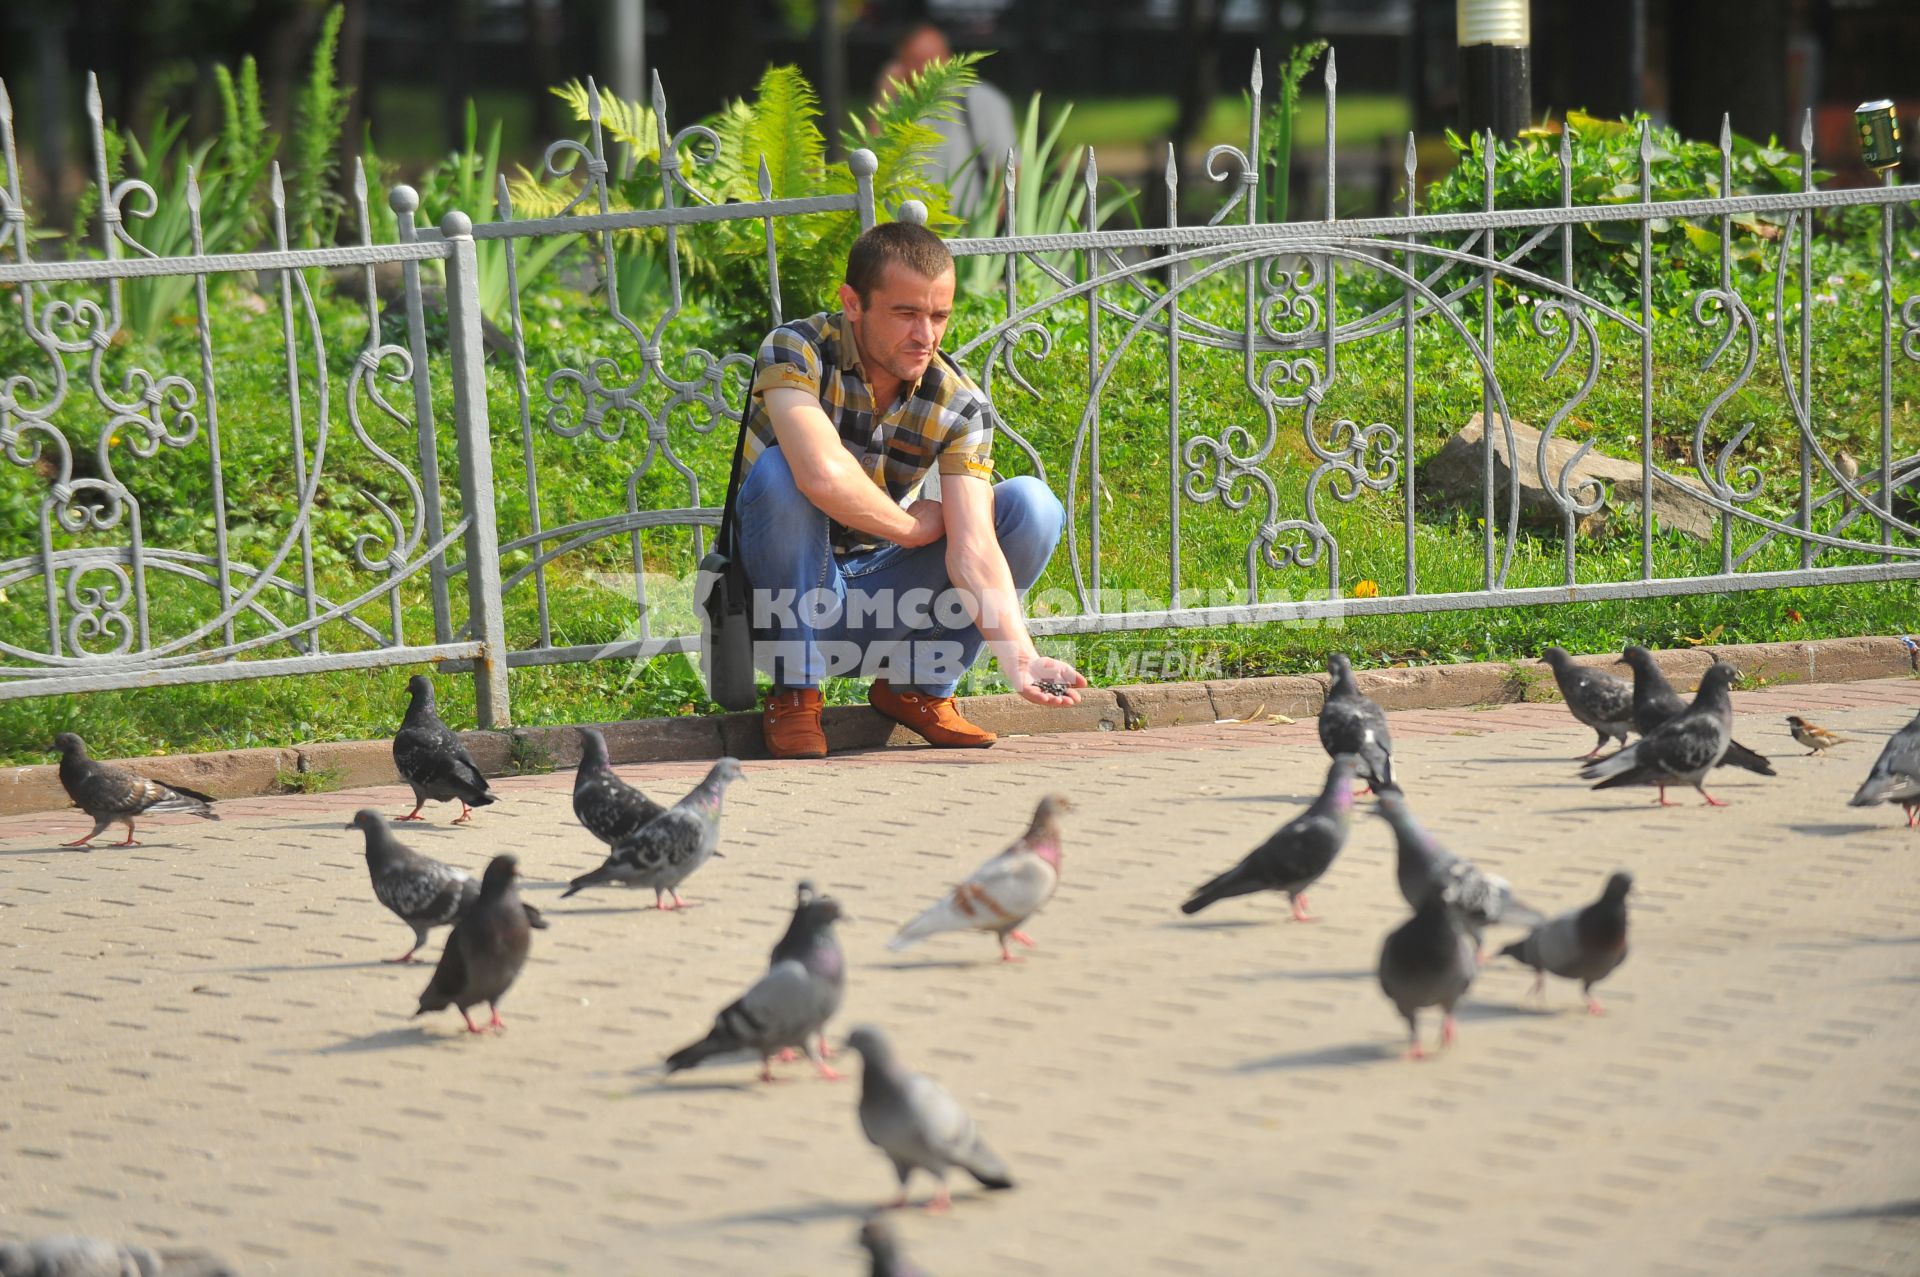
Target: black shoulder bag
column 721, row 593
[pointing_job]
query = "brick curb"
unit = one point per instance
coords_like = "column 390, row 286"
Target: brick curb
column 249, row 773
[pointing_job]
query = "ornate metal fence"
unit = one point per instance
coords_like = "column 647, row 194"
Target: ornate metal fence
column 313, row 552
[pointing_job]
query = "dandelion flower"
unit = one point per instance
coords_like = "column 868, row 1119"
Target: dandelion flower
column 1365, row 590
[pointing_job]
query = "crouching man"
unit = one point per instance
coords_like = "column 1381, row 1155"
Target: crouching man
column 868, row 525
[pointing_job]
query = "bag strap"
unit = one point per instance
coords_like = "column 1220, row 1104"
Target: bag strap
column 723, row 536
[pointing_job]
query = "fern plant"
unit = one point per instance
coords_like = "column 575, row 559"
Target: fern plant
column 320, row 113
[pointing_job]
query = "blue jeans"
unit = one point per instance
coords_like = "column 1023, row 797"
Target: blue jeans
column 888, row 613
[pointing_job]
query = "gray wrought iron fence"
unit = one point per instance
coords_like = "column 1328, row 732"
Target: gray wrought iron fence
column 1262, row 482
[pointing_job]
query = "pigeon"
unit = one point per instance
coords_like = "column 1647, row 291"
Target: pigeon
column 484, row 954
column 790, row 1005
column 609, row 807
column 884, row 1250
column 1896, row 774
column 1680, row 751
column 433, row 761
column 1297, row 854
column 1583, row 944
column 1004, row 892
column 1655, row 701
column 1481, row 899
column 1428, row 961
column 1352, row 724
column 77, row 1257
column 114, row 795
column 1596, row 698
column 422, row 892
column 665, row 852
column 1816, row 738
column 918, row 1125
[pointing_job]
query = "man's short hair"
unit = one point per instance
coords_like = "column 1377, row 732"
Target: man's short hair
column 914, row 247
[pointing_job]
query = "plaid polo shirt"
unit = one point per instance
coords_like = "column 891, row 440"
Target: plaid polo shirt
column 941, row 420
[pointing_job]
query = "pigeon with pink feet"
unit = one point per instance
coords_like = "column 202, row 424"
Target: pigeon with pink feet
column 1595, row 697
column 1002, row 894
column 431, row 759
column 665, row 852
column 1584, row 944
column 421, row 891
column 917, row 1124
column 1351, row 722
column 1298, row 853
column 1896, row 774
column 790, row 1005
column 113, row 795
column 1428, row 961
column 484, row 954
column 1682, row 750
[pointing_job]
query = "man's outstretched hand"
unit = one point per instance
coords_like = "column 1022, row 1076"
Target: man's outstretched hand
column 1046, row 681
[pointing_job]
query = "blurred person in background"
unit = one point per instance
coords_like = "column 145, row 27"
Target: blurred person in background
column 976, row 140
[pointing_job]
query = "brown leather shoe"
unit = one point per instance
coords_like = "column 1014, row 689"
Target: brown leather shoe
column 934, row 717
column 791, row 723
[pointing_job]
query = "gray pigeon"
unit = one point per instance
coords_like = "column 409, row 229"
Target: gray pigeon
column 609, row 807
column 1428, row 961
column 1596, row 698
column 1297, row 854
column 665, row 852
column 883, row 1250
column 1352, row 724
column 1896, row 774
column 913, row 1120
column 97, row 1257
column 1682, row 750
column 484, row 954
column 432, row 760
column 789, row 1006
column 1583, row 944
column 114, row 795
column 421, row 891
column 1655, row 702
column 1481, row 899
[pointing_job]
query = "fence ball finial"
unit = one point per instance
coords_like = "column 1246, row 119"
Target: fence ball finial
column 913, row 212
column 863, row 163
column 456, row 225
column 403, row 199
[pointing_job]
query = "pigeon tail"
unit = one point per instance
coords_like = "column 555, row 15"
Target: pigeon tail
column 941, row 917
column 1518, row 914
column 715, row 1043
column 1517, row 951
column 534, row 918
column 985, row 1165
column 1880, row 789
column 1739, row 755
column 586, row 880
column 1234, row 882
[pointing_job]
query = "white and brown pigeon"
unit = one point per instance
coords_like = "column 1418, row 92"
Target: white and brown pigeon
column 113, row 795
column 431, row 759
column 1003, row 893
column 486, row 951
column 421, row 891
column 1584, row 944
column 917, row 1124
column 1895, row 777
column 609, row 807
column 667, row 850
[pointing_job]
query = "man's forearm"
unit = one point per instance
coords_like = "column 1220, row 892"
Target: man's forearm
column 848, row 496
column 987, row 589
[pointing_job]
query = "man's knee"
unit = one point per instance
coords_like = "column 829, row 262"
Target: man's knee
column 1025, row 509
column 769, row 475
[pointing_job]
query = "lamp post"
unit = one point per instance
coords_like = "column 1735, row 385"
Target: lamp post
column 1496, row 56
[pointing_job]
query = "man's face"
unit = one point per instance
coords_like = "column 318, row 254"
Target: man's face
column 902, row 322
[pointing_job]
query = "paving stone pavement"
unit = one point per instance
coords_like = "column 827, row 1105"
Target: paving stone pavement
column 200, row 1046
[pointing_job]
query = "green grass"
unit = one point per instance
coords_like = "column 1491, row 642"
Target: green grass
column 1362, row 118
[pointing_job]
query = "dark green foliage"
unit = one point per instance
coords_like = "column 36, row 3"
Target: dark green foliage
column 319, row 115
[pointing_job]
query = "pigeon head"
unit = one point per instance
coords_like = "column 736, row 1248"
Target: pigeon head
column 880, row 1244
column 501, row 871
column 1557, row 657
column 1390, row 805
column 67, row 745
column 1340, row 773
column 593, row 749
column 366, row 820
column 1636, row 656
column 803, row 892
column 724, row 772
column 1718, row 678
column 1341, row 668
column 1618, row 886
column 420, row 688
column 875, row 1051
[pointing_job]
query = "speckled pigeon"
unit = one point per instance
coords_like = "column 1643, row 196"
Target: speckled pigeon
column 1896, row 774
column 884, row 1253
column 1583, row 944
column 1004, row 892
column 1481, row 899
column 789, row 1006
column 114, row 795
column 1596, row 698
column 1655, row 702
column 432, row 760
column 609, row 807
column 484, row 954
column 1682, row 750
column 421, row 891
column 1297, row 854
column 1428, row 961
column 1350, row 723
column 665, row 852
column 917, row 1124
